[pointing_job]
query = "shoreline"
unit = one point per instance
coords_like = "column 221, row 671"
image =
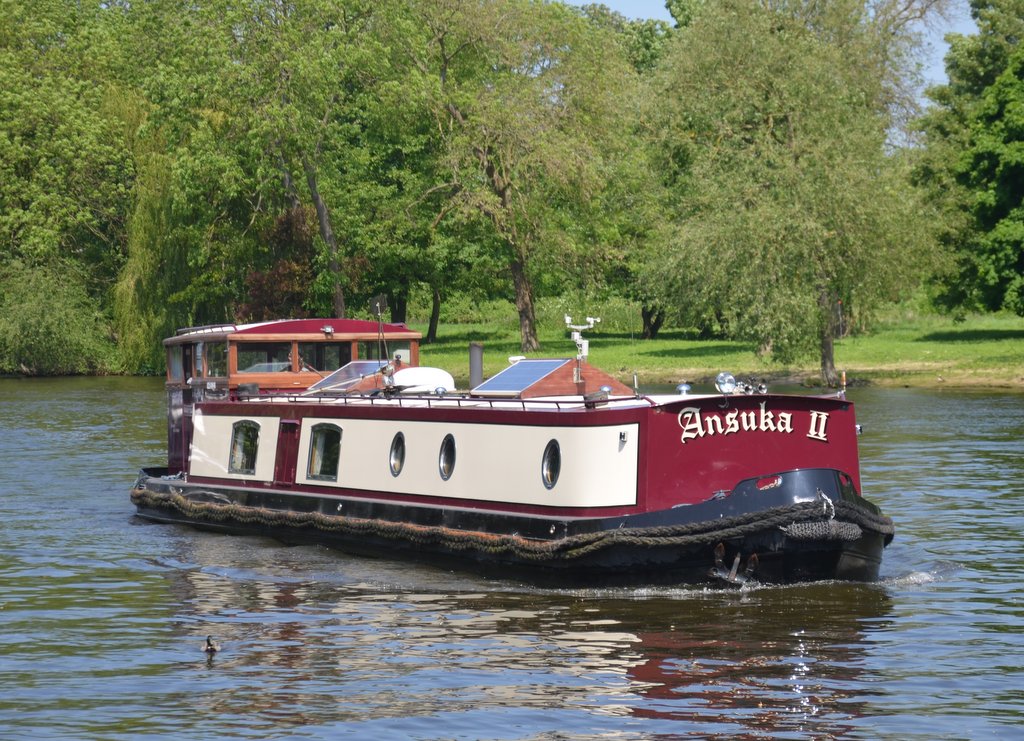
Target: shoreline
column 894, row 377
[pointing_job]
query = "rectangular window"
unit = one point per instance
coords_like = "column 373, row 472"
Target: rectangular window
column 245, row 442
column 325, row 356
column 264, row 357
column 324, row 452
column 375, row 351
column 175, row 364
column 216, row 359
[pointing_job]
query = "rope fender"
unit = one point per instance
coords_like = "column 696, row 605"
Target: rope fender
column 824, row 530
column 567, row 548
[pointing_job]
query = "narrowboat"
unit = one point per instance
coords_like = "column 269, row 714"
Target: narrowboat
column 329, row 431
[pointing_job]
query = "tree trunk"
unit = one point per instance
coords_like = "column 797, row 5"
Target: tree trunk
column 399, row 303
column 502, row 217
column 435, row 316
column 524, row 305
column 653, row 319
column 327, row 233
column 289, row 184
column 828, row 328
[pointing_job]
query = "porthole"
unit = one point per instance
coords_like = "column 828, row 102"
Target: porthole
column 397, row 457
column 446, row 459
column 551, row 464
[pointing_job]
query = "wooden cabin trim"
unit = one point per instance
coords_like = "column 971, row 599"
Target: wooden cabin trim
column 273, row 332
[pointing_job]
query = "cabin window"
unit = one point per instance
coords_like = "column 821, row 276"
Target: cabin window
column 446, row 458
column 216, row 359
column 551, row 464
column 199, row 360
column 324, row 451
column 175, row 365
column 325, row 356
column 376, row 351
column 186, row 361
column 245, row 441
column 264, row 357
column 396, row 460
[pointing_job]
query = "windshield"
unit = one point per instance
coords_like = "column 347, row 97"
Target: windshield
column 348, row 375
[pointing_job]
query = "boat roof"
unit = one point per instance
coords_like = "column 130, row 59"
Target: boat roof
column 535, row 377
column 279, row 328
column 520, row 376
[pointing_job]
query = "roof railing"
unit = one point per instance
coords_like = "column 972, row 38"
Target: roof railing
column 207, row 329
column 445, row 400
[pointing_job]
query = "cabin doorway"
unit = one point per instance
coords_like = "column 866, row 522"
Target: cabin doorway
column 287, row 452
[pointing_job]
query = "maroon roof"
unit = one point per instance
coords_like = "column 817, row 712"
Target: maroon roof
column 315, row 326
column 286, row 327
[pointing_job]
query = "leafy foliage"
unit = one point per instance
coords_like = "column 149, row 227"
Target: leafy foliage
column 524, row 120
column 193, row 163
column 994, row 172
column 49, row 325
column 974, row 162
column 64, row 171
column 779, row 219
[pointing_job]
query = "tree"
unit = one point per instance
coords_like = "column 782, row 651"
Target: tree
column 643, row 40
column 683, row 11
column 994, row 171
column 299, row 72
column 49, row 324
column 253, row 142
column 522, row 95
column 629, row 217
column 971, row 164
column 63, row 169
column 64, row 177
column 194, row 219
column 774, row 142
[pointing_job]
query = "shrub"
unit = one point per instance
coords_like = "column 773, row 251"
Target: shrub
column 49, row 325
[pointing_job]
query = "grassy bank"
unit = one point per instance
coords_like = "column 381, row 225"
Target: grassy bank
column 983, row 351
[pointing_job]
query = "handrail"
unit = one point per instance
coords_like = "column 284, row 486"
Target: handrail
column 459, row 401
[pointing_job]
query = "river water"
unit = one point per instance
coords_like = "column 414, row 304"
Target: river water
column 102, row 616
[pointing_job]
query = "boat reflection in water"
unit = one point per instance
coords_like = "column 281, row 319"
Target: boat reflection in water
column 773, row 661
column 332, row 649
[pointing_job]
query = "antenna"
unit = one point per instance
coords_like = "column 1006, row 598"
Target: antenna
column 378, row 305
column 582, row 345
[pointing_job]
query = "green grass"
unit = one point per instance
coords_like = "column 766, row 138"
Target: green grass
column 908, row 350
column 985, row 350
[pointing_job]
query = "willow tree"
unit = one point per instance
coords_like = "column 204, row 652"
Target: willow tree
column 788, row 199
column 525, row 98
column 190, row 200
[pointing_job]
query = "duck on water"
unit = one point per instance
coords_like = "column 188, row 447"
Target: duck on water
column 329, row 431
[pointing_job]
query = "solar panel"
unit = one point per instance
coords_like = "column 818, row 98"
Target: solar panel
column 519, row 377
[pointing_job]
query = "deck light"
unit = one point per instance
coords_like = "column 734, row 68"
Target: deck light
column 725, row 383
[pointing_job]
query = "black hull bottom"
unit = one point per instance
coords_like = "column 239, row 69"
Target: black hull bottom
column 811, row 528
